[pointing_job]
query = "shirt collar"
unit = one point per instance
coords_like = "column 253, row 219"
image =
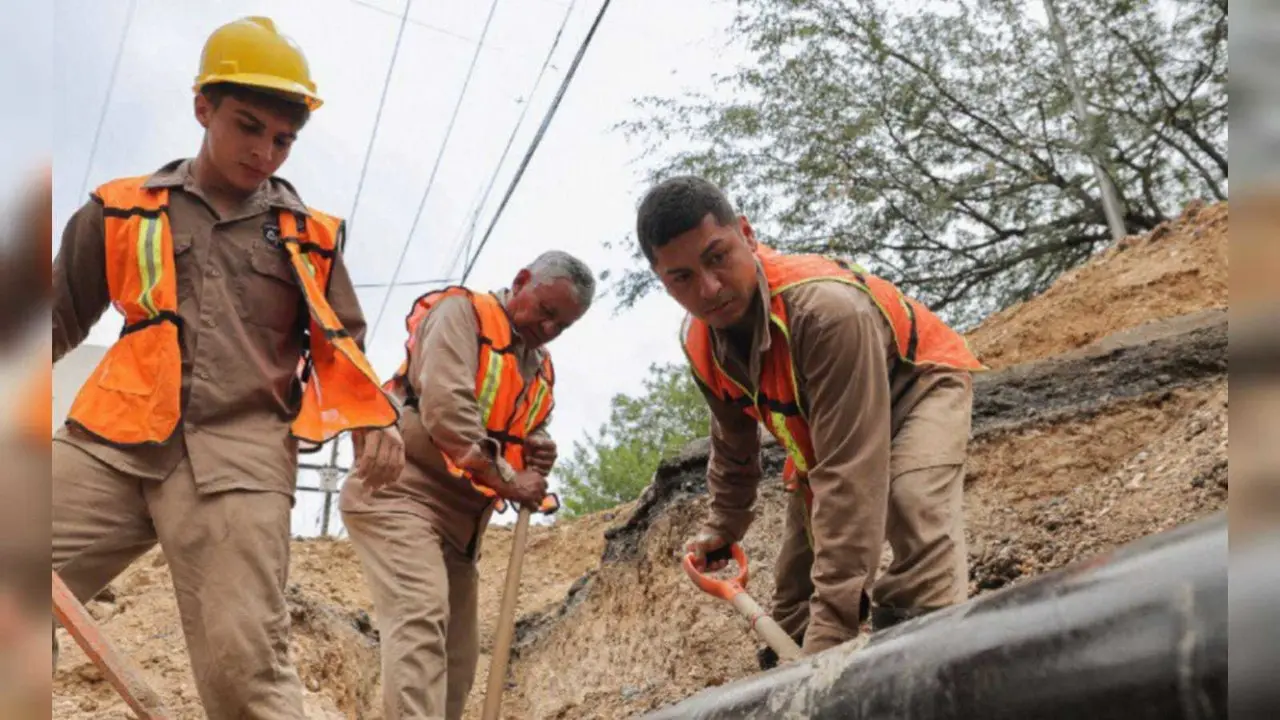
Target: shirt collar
column 761, row 338
column 504, row 297
column 275, row 192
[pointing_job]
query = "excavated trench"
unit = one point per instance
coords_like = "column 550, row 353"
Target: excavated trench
column 1194, row 353
column 1174, row 366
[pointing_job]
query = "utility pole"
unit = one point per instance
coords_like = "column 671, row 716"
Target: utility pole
column 330, row 476
column 1110, row 200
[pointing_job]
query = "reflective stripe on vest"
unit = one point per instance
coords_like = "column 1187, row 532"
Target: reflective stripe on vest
column 341, row 390
column 920, row 336
column 510, row 407
column 133, row 396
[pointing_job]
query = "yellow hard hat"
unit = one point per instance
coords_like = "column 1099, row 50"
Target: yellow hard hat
column 250, row 51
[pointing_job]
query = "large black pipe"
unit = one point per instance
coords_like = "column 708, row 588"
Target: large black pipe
column 1137, row 633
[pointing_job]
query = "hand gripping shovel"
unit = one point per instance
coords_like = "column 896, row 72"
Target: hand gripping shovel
column 734, row 591
column 504, row 633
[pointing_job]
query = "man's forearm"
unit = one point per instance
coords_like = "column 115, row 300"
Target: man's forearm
column 733, row 470
column 484, row 465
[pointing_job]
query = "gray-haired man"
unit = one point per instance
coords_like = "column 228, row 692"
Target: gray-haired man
column 477, row 389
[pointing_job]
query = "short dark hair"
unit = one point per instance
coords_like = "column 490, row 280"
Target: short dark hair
column 676, row 206
column 285, row 105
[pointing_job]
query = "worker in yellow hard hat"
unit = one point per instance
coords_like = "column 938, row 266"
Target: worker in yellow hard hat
column 251, row 52
column 238, row 310
column 251, row 63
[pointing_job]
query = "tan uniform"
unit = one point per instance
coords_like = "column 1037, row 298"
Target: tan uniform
column 419, row 538
column 217, row 496
column 891, row 442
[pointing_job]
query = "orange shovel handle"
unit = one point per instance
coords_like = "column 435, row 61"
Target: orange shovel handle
column 723, row 589
column 734, row 591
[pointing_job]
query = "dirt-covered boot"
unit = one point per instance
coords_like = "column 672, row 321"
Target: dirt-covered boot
column 884, row 617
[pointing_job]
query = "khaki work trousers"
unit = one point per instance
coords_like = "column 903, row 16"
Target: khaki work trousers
column 228, row 554
column 924, row 522
column 925, row 529
column 424, row 595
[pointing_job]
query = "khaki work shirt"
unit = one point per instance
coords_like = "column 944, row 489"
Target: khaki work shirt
column 858, row 394
column 442, row 371
column 243, row 316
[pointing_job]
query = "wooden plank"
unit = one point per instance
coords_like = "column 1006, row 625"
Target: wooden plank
column 120, row 672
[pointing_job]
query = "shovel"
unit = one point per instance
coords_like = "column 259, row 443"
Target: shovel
column 120, row 673
column 734, row 591
column 504, row 633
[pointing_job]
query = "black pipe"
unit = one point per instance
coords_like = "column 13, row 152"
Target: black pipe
column 1137, row 633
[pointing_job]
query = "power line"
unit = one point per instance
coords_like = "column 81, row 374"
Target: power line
column 419, row 23
column 410, row 283
column 106, row 101
column 444, row 145
column 537, row 139
column 463, row 245
column 436, row 28
column 465, row 249
column 377, row 118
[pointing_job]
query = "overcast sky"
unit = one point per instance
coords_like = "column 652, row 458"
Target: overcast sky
column 580, row 190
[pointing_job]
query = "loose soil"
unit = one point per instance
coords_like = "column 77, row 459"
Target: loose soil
column 1176, row 269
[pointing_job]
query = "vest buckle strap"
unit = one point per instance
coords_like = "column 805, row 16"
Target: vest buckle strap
column 160, row 317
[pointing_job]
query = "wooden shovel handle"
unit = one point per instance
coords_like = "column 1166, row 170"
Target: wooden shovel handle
column 734, row 591
column 504, row 633
column 122, row 674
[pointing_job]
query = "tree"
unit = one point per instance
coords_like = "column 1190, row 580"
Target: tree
column 615, row 465
column 938, row 146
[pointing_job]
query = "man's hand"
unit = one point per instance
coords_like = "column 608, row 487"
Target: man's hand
column 379, row 456
column 703, row 543
column 540, row 453
column 528, row 488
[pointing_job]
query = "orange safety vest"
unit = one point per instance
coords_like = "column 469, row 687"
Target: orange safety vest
column 35, row 409
column 921, row 337
column 133, row 397
column 511, row 408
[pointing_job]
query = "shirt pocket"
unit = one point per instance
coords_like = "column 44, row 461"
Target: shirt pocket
column 268, row 295
column 181, row 244
column 184, row 267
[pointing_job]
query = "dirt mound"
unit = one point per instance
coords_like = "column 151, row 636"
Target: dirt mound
column 1178, row 268
column 1088, row 470
column 333, row 646
column 334, row 642
column 1042, row 497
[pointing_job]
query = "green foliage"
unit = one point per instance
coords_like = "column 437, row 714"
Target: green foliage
column 616, row 464
column 938, row 146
